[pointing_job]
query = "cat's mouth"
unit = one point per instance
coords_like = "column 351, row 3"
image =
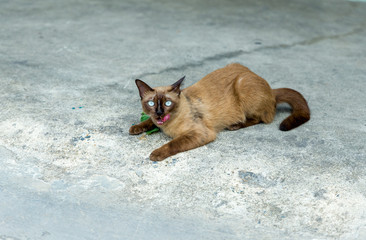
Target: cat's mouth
column 161, row 121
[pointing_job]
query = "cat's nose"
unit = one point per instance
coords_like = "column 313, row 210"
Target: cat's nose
column 159, row 112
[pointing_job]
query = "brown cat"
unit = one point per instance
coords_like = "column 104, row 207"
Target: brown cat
column 230, row 98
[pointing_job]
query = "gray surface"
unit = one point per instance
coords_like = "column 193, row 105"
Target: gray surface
column 76, row 173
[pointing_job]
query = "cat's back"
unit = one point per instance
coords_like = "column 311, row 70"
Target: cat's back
column 217, row 83
column 222, row 77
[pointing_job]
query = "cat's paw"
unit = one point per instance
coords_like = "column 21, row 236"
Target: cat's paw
column 136, row 129
column 158, row 155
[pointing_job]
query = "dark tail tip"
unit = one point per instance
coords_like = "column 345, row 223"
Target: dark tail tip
column 294, row 121
column 284, row 127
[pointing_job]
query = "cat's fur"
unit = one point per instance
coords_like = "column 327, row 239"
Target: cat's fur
column 231, row 98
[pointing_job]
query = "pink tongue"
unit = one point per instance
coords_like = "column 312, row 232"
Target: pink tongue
column 166, row 118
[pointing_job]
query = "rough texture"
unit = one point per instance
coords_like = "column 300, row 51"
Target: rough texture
column 69, row 169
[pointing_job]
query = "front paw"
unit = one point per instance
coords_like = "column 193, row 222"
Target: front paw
column 159, row 155
column 136, row 129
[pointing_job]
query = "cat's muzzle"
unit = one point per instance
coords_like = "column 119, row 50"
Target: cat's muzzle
column 161, row 121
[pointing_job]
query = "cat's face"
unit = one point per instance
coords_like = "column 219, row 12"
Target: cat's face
column 159, row 103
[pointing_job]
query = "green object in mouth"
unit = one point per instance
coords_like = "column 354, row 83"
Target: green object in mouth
column 144, row 117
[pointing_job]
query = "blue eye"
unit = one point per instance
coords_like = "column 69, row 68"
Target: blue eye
column 168, row 103
column 151, row 103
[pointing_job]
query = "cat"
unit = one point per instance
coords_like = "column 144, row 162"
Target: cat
column 230, row 98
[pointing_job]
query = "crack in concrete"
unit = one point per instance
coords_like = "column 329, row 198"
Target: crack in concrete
column 311, row 41
column 199, row 63
column 232, row 54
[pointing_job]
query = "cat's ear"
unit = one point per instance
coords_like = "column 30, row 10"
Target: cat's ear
column 143, row 87
column 176, row 85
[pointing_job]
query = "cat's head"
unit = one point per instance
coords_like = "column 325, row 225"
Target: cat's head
column 159, row 103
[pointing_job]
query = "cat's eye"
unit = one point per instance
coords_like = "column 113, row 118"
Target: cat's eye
column 168, row 103
column 151, row 103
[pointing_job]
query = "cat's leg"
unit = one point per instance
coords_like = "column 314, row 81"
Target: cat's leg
column 182, row 143
column 249, row 122
column 142, row 127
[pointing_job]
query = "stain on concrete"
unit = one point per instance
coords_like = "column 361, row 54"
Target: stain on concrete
column 256, row 180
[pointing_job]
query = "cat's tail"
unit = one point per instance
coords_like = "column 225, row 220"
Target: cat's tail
column 300, row 109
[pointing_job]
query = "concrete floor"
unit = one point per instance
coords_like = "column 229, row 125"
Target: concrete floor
column 69, row 169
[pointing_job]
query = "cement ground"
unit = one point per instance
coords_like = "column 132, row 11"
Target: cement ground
column 70, row 170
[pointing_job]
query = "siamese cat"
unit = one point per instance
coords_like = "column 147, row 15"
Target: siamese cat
column 230, row 98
